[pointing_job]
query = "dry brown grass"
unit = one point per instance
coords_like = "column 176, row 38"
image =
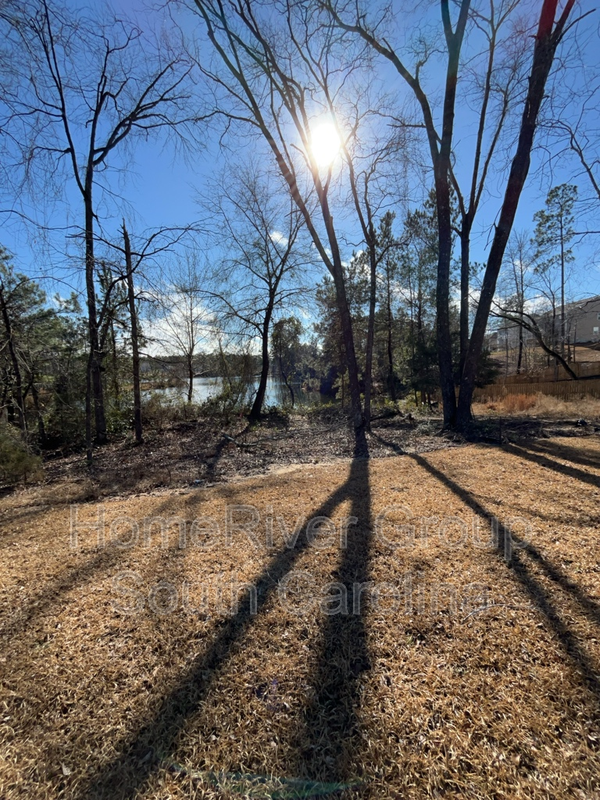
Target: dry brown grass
column 423, row 697
column 542, row 405
column 519, row 402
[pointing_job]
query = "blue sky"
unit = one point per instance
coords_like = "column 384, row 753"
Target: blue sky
column 161, row 189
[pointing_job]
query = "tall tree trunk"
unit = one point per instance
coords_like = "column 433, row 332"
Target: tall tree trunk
column 547, row 40
column 285, row 377
column 5, row 400
column 465, row 245
column 115, row 361
column 89, row 439
column 337, row 271
column 521, row 296
column 444, row 338
column 390, row 349
column 190, row 369
column 38, row 411
column 135, row 348
column 562, row 289
column 358, row 419
column 442, row 194
column 370, row 334
column 257, row 405
column 95, row 361
column 19, row 399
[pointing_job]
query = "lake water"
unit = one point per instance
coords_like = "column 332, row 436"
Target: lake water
column 277, row 393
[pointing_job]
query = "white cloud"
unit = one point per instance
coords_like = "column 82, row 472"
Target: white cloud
column 279, row 238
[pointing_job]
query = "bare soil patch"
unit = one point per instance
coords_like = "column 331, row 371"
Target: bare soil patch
column 163, row 652
column 205, row 452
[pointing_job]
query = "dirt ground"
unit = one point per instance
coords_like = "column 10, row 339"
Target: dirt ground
column 420, row 625
column 205, row 452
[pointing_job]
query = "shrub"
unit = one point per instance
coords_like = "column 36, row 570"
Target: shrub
column 17, row 462
column 232, row 399
column 157, row 412
column 119, row 417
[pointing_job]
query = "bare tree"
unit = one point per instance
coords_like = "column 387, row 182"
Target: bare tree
column 144, row 252
column 369, row 166
column 135, row 347
column 86, row 87
column 515, row 289
column 551, row 27
column 550, row 31
column 496, row 74
column 260, row 277
column 9, row 342
column 571, row 126
column 181, row 321
column 528, row 322
column 264, row 76
column 439, row 143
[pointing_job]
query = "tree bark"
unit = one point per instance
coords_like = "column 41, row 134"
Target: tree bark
column 38, row 411
column 259, row 399
column 390, row 349
column 547, row 40
column 89, row 438
column 465, row 246
column 358, row 419
column 20, row 402
column 444, row 338
column 289, row 386
column 562, row 288
column 337, row 273
column 442, row 192
column 190, row 369
column 370, row 334
column 95, row 361
column 135, row 350
column 115, row 361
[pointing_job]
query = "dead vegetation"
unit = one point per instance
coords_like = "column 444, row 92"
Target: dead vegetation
column 185, row 663
column 202, row 452
column 542, row 406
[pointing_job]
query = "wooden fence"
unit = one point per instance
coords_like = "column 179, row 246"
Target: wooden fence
column 567, row 390
column 558, row 373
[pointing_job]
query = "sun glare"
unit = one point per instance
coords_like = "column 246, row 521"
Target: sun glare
column 325, row 144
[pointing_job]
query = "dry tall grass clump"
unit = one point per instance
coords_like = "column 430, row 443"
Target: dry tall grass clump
column 519, row 402
column 542, row 405
column 586, row 407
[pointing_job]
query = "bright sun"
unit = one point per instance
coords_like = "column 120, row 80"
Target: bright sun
column 325, row 144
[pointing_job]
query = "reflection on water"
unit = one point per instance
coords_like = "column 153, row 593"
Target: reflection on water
column 277, row 393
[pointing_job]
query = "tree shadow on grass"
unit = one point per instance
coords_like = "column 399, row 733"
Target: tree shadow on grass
column 26, row 515
column 342, row 659
column 52, row 594
column 531, row 454
column 585, row 457
column 516, row 553
column 327, row 737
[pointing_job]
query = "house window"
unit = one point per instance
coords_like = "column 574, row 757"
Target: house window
column 599, row 315
column 595, row 330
